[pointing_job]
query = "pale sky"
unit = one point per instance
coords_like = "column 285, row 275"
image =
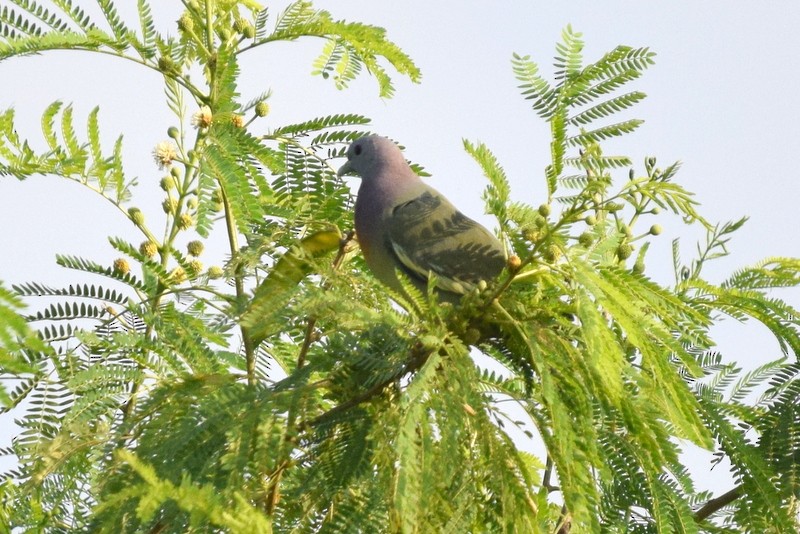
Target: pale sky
column 722, row 98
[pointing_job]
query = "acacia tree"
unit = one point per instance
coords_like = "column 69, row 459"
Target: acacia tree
column 287, row 392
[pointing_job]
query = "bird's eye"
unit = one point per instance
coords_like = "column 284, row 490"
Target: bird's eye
column 357, row 150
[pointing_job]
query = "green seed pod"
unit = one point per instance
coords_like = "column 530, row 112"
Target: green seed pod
column 262, row 109
column 136, row 216
column 170, row 205
column 430, row 342
column 244, row 27
column 586, row 239
column 173, row 132
column 167, row 183
column 195, row 248
column 249, row 31
column 186, row 23
column 165, row 64
column 472, row 336
column 552, row 254
column 624, row 251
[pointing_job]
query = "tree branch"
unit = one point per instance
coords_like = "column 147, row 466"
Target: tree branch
column 310, row 336
column 716, row 503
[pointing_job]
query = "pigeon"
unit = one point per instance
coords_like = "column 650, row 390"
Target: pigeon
column 403, row 225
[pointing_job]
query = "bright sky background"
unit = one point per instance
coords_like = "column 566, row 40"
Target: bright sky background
column 722, row 98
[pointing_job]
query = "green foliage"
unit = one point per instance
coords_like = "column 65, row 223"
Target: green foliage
column 285, row 391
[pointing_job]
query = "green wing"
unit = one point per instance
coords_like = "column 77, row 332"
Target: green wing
column 428, row 234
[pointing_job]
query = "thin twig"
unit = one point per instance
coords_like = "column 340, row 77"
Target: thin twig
column 273, row 496
column 418, row 358
column 308, row 339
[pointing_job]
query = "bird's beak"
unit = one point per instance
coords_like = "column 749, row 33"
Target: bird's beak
column 345, row 169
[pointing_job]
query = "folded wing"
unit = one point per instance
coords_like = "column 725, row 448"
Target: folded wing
column 429, row 235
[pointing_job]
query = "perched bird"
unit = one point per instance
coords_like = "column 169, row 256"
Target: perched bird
column 405, row 225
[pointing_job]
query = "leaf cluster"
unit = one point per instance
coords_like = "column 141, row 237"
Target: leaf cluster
column 285, row 390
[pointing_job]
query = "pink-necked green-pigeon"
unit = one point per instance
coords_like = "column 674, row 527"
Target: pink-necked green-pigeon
column 405, row 225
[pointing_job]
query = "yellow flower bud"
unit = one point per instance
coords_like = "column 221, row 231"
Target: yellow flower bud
column 215, row 272
column 185, row 221
column 177, row 275
column 121, row 266
column 148, row 248
column 533, row 235
column 196, row 267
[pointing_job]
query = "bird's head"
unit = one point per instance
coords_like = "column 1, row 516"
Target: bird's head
column 371, row 154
